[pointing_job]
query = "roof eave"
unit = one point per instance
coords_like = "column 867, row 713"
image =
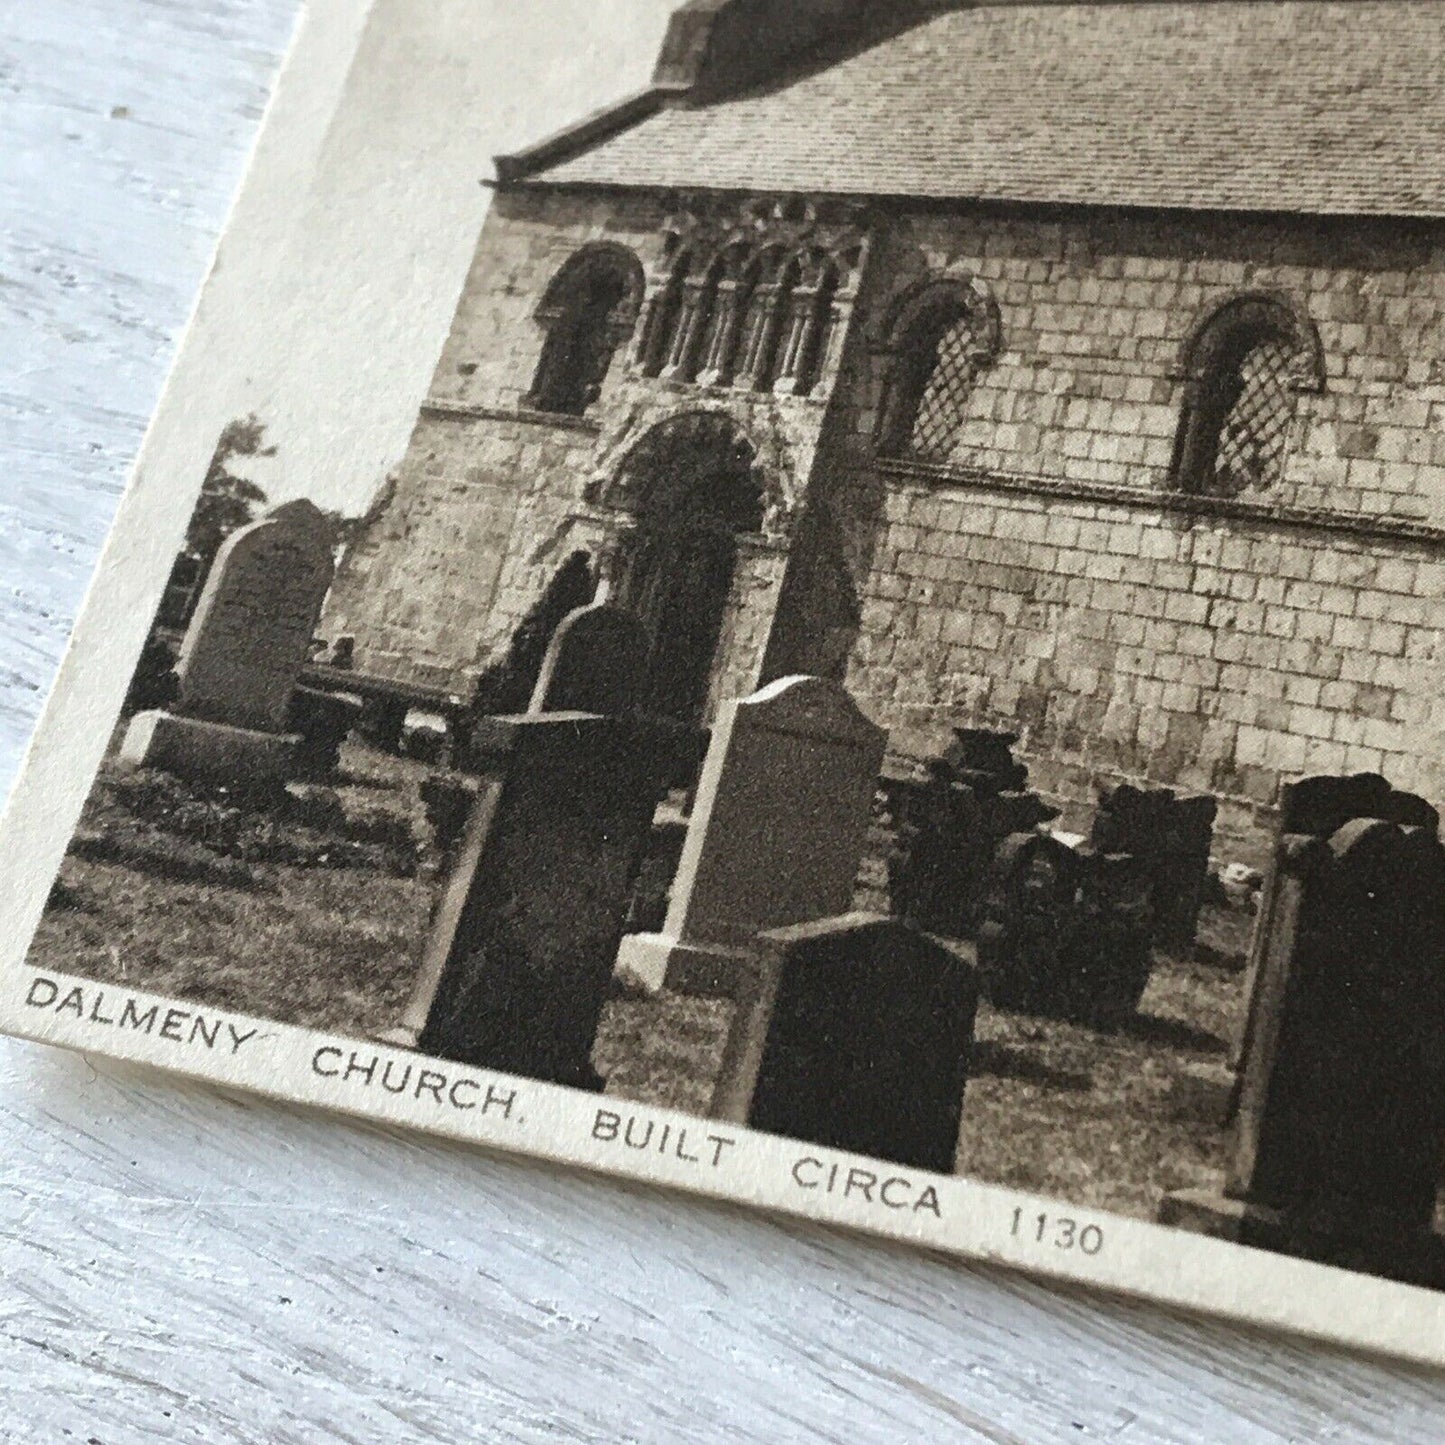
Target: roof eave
column 591, row 130
column 1423, row 214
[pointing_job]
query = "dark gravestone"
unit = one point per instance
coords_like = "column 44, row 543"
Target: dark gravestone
column 1319, row 807
column 154, row 683
column 949, row 827
column 597, row 663
column 1173, row 836
column 986, row 759
column 1341, row 1117
column 1027, row 923
column 1109, row 953
column 647, row 912
column 1066, row 931
column 505, row 687
column 941, row 851
column 447, row 799
column 382, row 721
column 522, row 946
column 855, row 1034
column 524, row 938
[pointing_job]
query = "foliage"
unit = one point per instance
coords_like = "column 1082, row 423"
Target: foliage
column 228, row 500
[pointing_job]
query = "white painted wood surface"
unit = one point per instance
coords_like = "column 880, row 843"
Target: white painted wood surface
column 179, row 1265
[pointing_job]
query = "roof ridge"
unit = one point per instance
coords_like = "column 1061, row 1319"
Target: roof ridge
column 1318, row 107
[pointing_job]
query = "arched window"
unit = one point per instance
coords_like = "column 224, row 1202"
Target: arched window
column 704, row 318
column 941, row 337
column 590, row 310
column 760, row 289
column 684, row 309
column 725, row 303
column 666, row 318
column 1242, row 367
column 773, row 312
column 807, row 325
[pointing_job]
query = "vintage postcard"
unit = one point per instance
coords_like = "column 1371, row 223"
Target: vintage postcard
column 860, row 630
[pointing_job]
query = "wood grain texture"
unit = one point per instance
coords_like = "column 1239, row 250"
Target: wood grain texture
column 182, row 1265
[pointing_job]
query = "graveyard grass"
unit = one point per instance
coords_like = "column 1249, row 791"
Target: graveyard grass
column 317, row 920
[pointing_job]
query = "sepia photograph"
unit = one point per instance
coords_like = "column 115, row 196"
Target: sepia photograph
column 911, row 620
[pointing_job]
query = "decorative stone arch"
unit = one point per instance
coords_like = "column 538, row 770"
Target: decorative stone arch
column 808, row 319
column 646, row 438
column 928, row 358
column 668, row 296
column 691, row 493
column 706, row 352
column 1242, row 364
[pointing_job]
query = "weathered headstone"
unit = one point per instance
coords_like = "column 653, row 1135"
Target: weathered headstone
column 776, row 833
column 1341, row 1119
column 252, row 631
column 597, row 663
column 1172, row 836
column 1318, row 807
column 519, row 958
column 243, row 652
column 853, row 1033
column 1027, row 923
column 1066, row 931
column 949, row 826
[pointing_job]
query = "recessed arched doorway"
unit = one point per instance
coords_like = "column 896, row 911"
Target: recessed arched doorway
column 692, row 489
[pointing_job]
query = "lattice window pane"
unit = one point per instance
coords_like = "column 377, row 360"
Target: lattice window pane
column 943, row 406
column 1255, row 434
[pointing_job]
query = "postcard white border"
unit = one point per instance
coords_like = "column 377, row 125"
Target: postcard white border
column 974, row 1220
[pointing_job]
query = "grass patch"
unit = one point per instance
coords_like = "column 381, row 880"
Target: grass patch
column 315, row 909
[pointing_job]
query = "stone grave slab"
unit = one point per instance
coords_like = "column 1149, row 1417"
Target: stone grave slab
column 243, row 652
column 776, row 834
column 854, row 1033
column 1341, row 1116
column 597, row 662
column 520, row 954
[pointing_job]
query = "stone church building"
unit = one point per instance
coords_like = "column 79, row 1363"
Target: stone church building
column 1071, row 368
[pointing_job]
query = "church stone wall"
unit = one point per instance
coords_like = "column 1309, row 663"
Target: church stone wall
column 492, row 497
column 431, row 589
column 1045, row 579
column 1042, row 582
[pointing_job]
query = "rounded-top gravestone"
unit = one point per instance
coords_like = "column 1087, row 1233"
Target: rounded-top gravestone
column 249, row 638
column 597, row 663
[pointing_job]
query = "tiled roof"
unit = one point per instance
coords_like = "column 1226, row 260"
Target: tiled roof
column 1311, row 106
